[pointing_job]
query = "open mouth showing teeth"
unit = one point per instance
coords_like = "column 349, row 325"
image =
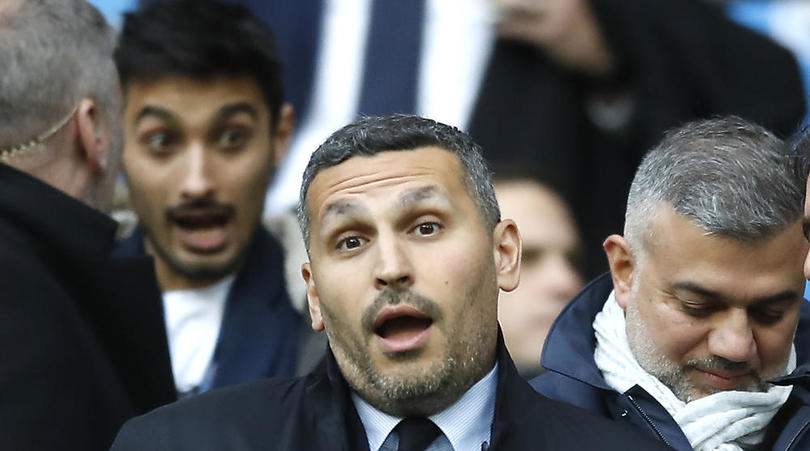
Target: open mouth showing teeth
column 400, row 326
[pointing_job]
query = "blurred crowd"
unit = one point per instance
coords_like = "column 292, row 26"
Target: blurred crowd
column 658, row 148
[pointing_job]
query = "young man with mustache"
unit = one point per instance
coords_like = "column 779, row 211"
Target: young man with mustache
column 205, row 127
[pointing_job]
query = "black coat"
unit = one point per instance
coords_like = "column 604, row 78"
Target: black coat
column 573, row 377
column 81, row 337
column 315, row 412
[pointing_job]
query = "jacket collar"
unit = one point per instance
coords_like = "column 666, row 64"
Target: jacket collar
column 512, row 393
column 570, row 343
column 69, row 229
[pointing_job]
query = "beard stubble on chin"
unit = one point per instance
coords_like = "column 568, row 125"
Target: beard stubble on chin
column 676, row 376
column 413, row 388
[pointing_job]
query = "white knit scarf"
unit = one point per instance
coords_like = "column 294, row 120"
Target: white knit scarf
column 724, row 421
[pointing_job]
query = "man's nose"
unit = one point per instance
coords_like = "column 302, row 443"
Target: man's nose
column 732, row 337
column 393, row 267
column 197, row 180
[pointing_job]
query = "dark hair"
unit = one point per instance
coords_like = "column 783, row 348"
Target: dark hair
column 372, row 135
column 199, row 39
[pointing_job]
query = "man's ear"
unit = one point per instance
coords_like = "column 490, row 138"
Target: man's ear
column 622, row 266
column 312, row 298
column 284, row 132
column 93, row 137
column 507, row 249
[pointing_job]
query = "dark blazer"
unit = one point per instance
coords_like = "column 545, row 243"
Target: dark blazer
column 315, row 412
column 261, row 332
column 81, row 335
column 573, row 377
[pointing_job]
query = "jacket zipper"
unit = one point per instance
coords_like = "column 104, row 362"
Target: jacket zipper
column 643, row 414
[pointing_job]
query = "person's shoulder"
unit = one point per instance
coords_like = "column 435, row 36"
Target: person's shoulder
column 255, row 409
column 570, row 427
column 235, row 402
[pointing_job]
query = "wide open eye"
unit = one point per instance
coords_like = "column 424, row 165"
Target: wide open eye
column 427, row 228
column 233, row 138
column 160, row 141
column 350, row 243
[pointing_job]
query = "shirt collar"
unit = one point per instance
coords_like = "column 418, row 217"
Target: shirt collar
column 466, row 423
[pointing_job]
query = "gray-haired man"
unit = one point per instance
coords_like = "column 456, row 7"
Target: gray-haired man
column 691, row 336
column 81, row 336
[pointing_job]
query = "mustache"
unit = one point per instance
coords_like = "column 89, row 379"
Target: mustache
column 394, row 296
column 200, row 206
column 718, row 363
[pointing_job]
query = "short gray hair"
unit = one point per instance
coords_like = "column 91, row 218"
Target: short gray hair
column 53, row 54
column 372, row 135
column 729, row 176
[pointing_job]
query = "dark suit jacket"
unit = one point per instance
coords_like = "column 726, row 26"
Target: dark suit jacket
column 81, row 336
column 261, row 332
column 315, row 412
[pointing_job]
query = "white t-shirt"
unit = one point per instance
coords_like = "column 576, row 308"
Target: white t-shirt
column 193, row 319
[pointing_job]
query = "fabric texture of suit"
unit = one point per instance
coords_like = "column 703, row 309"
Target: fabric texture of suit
column 261, row 332
column 81, row 335
column 316, row 412
column 573, row 377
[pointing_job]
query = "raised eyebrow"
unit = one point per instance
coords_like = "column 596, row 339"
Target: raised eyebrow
column 341, row 208
column 228, row 111
column 155, row 111
column 418, row 194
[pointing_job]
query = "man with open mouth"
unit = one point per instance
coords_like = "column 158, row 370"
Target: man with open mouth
column 203, row 136
column 407, row 256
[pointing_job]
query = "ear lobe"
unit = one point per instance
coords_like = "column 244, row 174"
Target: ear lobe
column 622, row 267
column 312, row 298
column 284, row 132
column 507, row 248
column 94, row 144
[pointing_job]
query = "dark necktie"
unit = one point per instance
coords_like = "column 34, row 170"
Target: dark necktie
column 391, row 65
column 415, row 434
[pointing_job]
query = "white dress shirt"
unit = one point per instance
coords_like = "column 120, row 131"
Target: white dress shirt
column 193, row 319
column 466, row 424
column 457, row 41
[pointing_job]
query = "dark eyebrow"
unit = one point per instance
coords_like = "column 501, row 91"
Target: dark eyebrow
column 227, row 111
column 341, row 208
column 697, row 289
column 159, row 112
column 787, row 295
column 417, row 194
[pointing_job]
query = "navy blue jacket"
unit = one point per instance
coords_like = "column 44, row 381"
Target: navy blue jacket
column 315, row 412
column 261, row 331
column 573, row 377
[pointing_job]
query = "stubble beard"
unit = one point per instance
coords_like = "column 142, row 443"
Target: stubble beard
column 413, row 388
column 676, row 376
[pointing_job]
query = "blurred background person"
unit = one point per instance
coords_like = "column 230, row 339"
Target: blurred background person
column 205, row 128
column 550, row 272
column 576, row 90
